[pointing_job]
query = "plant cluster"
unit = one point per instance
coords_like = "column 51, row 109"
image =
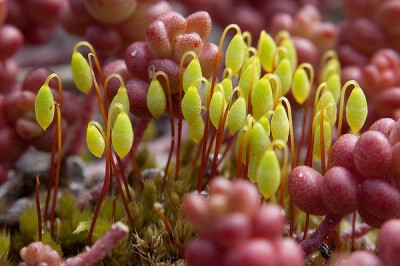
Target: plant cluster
column 252, row 111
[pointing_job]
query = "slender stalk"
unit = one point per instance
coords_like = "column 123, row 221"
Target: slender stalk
column 227, row 148
column 214, row 77
column 180, row 118
column 105, row 184
column 97, row 89
column 239, row 158
column 171, row 120
column 39, row 214
column 51, row 175
column 121, row 192
column 59, row 150
column 158, row 208
column 323, row 230
column 123, row 177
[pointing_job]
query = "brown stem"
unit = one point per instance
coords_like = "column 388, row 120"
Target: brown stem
column 239, row 158
column 207, row 122
column 51, row 176
column 227, row 148
column 323, row 230
column 39, row 214
column 171, row 120
column 135, row 165
column 158, row 208
column 123, row 177
column 121, row 192
column 306, row 227
column 59, row 150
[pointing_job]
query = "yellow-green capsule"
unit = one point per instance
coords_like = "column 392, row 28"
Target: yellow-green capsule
column 331, row 111
column 215, row 108
column 244, row 82
column 261, row 98
column 327, row 137
column 268, row 174
column 266, row 48
column 334, row 86
column 265, row 123
column 245, row 133
column 196, row 129
column 95, row 141
column 236, row 115
column 191, row 74
column 122, row 134
column 259, row 141
column 284, row 72
column 235, row 53
column 191, row 104
column 81, row 73
column 250, row 60
column 301, row 86
column 291, row 49
column 330, row 68
column 156, row 100
column 228, row 87
column 122, row 98
column 44, row 106
column 280, row 124
column 356, row 109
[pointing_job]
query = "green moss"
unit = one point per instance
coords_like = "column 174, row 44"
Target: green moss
column 5, row 243
column 28, row 224
column 66, row 205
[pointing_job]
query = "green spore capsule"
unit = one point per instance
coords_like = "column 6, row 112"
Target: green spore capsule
column 253, row 59
column 330, row 68
column 268, row 174
column 196, row 129
column 81, row 73
column 122, row 98
column 156, row 100
column 356, row 109
column 301, row 86
column 284, row 72
column 280, row 124
column 191, row 74
column 215, row 108
column 266, row 48
column 245, row 133
column 95, row 141
column 327, row 137
column 334, row 86
column 122, row 134
column 235, row 53
column 259, row 142
column 44, row 107
column 244, row 82
column 228, row 87
column 261, row 98
column 331, row 112
column 236, row 115
column 191, row 104
column 264, row 121
column 291, row 49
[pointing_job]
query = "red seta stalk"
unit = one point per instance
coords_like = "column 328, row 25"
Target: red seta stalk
column 39, row 214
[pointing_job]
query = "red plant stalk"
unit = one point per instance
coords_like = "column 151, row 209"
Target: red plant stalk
column 39, row 214
column 327, row 226
column 207, row 122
